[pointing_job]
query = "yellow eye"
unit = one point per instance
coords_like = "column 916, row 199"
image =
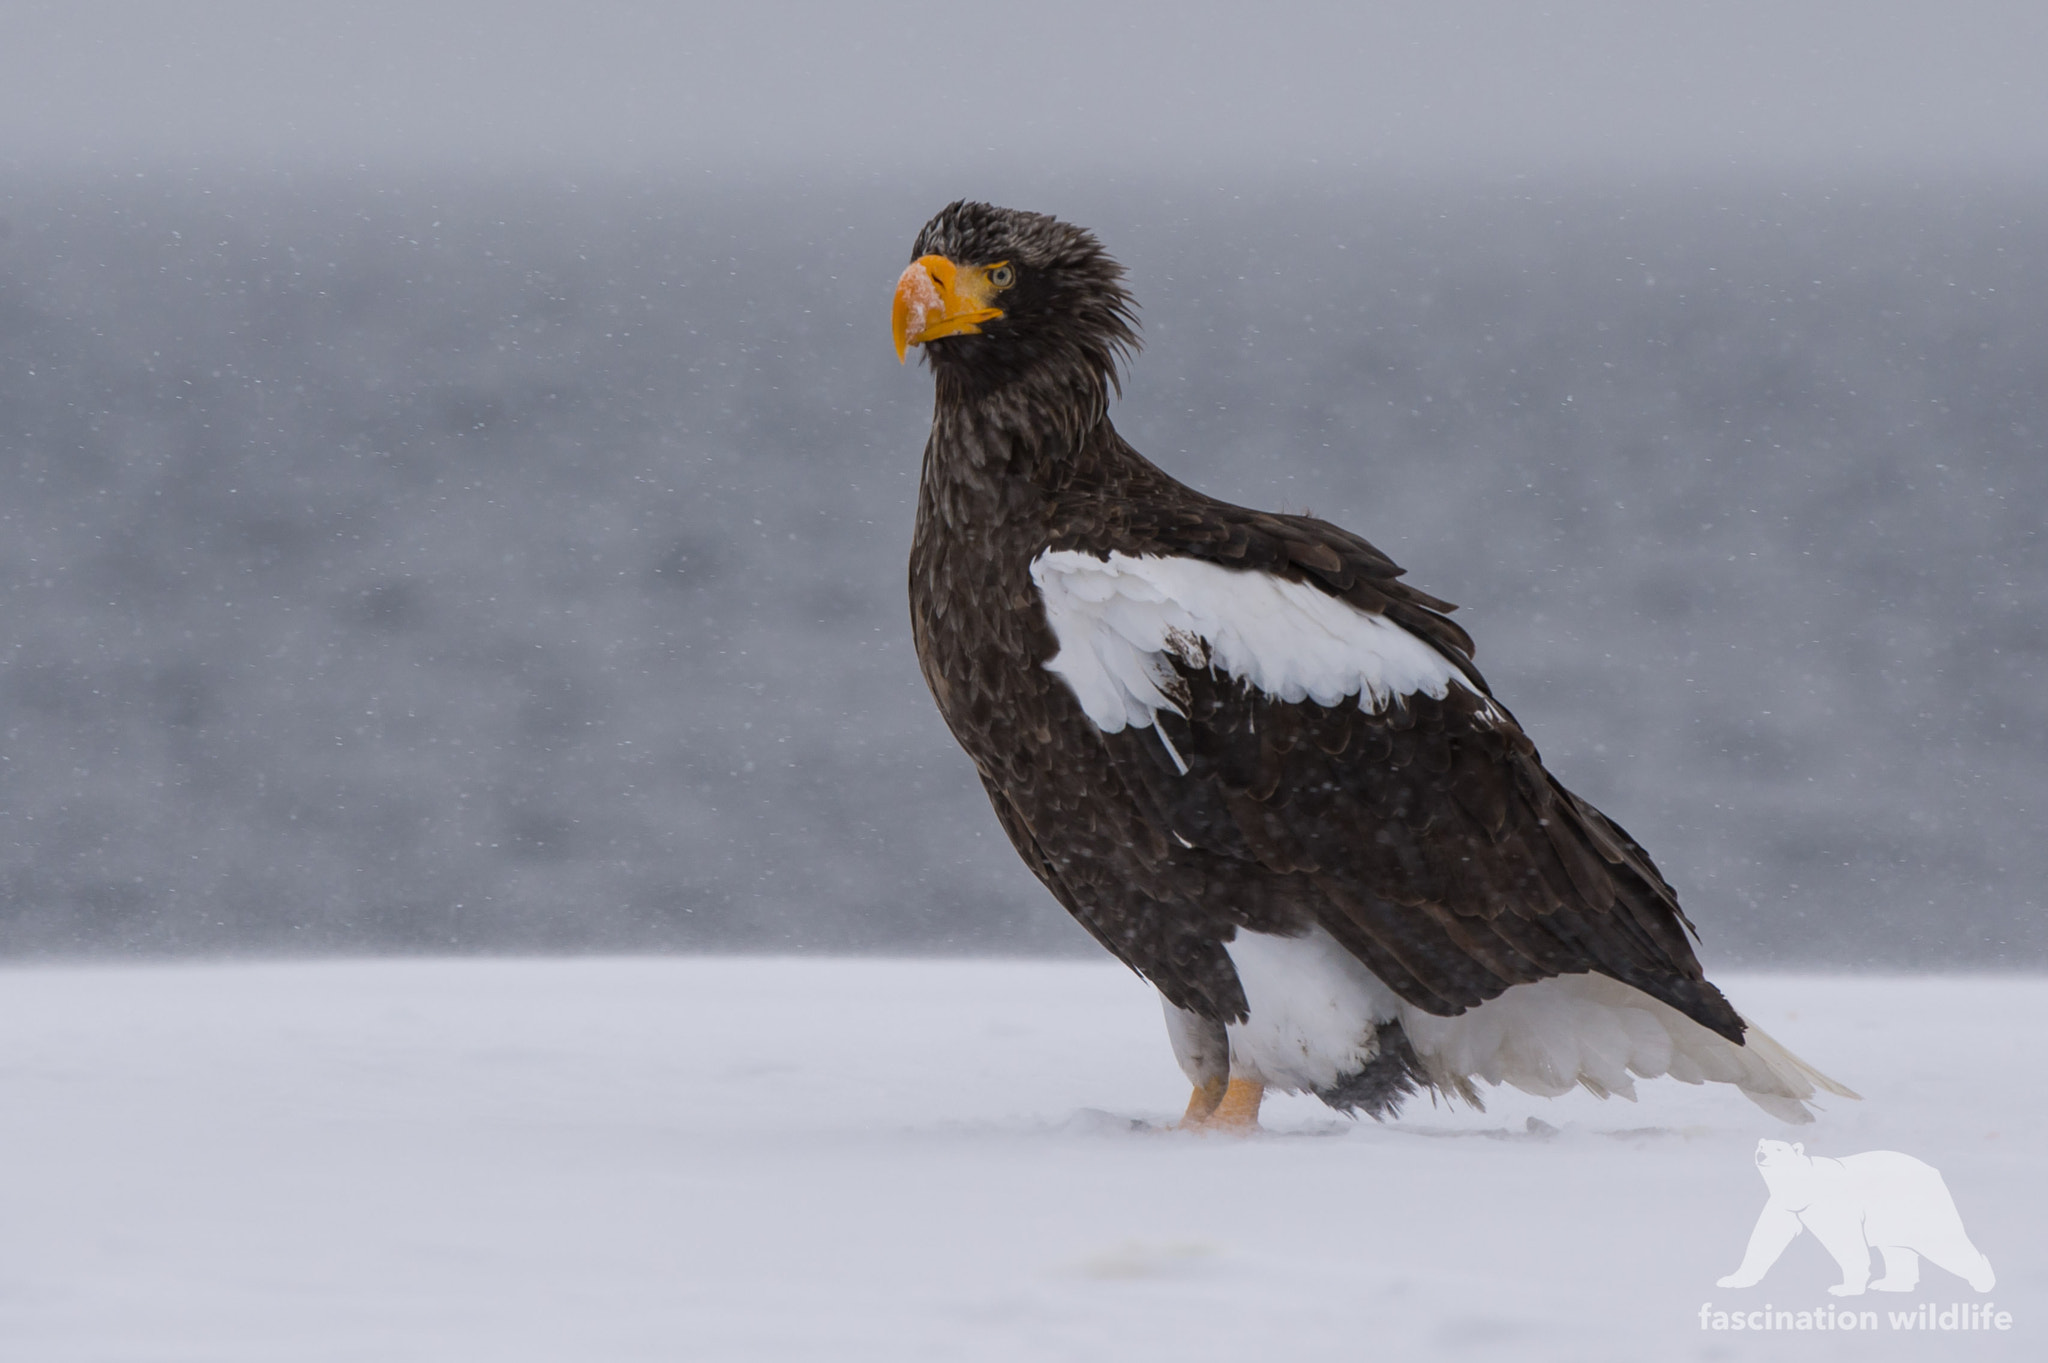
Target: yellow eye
column 1002, row 276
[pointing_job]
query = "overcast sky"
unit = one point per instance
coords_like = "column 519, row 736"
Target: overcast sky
column 1493, row 87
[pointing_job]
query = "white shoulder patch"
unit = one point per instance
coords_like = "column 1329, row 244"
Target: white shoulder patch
column 1122, row 622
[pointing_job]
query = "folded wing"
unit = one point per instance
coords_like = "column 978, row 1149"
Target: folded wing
column 1265, row 723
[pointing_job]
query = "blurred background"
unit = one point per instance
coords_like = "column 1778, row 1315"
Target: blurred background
column 455, row 482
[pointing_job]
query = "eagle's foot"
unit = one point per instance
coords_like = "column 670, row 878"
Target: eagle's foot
column 1215, row 1106
column 1201, row 1103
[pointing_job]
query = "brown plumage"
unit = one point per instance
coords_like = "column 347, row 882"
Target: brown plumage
column 1424, row 836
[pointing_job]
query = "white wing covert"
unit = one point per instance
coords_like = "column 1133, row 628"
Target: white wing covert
column 1122, row 623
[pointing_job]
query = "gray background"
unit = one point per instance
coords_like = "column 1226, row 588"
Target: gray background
column 454, row 481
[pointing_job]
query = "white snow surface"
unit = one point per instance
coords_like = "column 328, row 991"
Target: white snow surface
column 1121, row 621
column 729, row 1158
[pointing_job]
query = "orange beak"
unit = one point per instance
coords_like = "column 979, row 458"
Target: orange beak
column 935, row 298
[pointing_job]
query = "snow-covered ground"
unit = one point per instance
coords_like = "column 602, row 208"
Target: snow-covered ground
column 684, row 1159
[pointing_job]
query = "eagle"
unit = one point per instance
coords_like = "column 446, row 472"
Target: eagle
column 1250, row 760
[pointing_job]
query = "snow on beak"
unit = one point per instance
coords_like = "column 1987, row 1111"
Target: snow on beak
column 934, row 298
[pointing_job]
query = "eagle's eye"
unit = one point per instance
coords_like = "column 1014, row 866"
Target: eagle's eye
column 1002, row 276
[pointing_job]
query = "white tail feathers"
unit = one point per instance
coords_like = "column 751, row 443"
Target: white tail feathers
column 1592, row 1032
column 1795, row 1080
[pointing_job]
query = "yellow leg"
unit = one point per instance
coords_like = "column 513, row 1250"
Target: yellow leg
column 1239, row 1110
column 1217, row 1108
column 1201, row 1103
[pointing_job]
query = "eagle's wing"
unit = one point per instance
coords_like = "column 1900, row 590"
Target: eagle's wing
column 1293, row 707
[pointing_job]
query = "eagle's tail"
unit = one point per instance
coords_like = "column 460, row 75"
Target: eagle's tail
column 1780, row 1082
column 1593, row 1032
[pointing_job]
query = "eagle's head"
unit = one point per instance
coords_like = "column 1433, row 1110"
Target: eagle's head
column 995, row 295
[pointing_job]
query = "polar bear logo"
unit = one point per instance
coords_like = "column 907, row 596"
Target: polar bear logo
column 1880, row 1200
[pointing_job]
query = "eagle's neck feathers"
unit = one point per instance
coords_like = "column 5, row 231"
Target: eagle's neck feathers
column 1035, row 425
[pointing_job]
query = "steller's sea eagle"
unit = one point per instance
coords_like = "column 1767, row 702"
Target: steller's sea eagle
column 1256, row 765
